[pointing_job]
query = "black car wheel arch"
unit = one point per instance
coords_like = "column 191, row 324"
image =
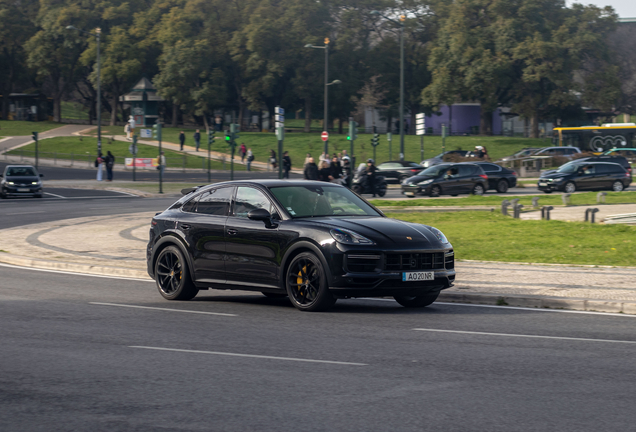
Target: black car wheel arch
column 296, row 249
column 173, row 276
column 306, row 283
column 170, row 240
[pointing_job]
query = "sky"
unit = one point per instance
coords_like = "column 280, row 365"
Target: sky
column 624, row 8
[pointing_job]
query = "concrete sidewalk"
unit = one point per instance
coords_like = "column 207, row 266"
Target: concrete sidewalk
column 115, row 246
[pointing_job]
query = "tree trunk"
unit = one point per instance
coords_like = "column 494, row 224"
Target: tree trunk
column 534, row 125
column 307, row 114
column 240, row 113
column 485, row 122
column 113, row 110
column 175, row 114
column 205, row 122
column 57, row 109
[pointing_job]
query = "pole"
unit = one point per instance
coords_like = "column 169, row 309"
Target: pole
column 401, row 90
column 280, row 159
column 134, row 153
column 98, row 32
column 209, row 152
column 36, row 152
column 160, row 163
column 443, row 141
column 421, row 147
column 325, row 115
column 232, row 161
column 390, row 139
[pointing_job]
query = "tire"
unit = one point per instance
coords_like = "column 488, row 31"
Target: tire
column 37, row 196
column 273, row 295
column 569, row 187
column 547, row 191
column 173, row 276
column 435, row 191
column 381, row 189
column 502, row 186
column 417, row 301
column 410, row 196
column 478, row 189
column 618, row 186
column 306, row 284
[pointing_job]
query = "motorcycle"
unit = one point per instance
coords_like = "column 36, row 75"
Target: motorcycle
column 360, row 184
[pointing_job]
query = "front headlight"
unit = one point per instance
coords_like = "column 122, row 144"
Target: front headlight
column 440, row 235
column 345, row 236
column 558, row 180
column 34, row 183
column 10, row 183
column 425, row 182
column 425, row 164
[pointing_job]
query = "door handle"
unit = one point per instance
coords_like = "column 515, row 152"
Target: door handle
column 232, row 231
column 186, row 226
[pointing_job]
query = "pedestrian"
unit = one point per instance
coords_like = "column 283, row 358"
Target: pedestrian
column 371, row 169
column 162, row 163
column 250, row 158
column 335, row 171
column 324, row 157
column 479, row 152
column 127, row 130
column 323, row 173
column 243, row 152
column 110, row 163
column 99, row 164
column 272, row 159
column 346, row 169
column 311, row 170
column 132, row 123
column 197, row 139
column 307, row 160
column 218, row 123
column 287, row 164
column 485, row 153
column 181, row 140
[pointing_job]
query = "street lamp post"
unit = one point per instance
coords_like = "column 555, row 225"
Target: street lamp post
column 97, row 34
column 327, row 84
column 401, row 24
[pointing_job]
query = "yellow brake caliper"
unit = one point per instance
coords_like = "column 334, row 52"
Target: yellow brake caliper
column 299, row 280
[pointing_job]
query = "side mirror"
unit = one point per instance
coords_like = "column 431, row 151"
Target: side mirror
column 259, row 214
column 41, row 175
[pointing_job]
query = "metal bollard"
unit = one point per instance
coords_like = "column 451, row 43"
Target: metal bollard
column 566, row 199
column 545, row 212
column 590, row 214
column 514, row 202
column 517, row 211
column 535, row 202
column 504, row 207
column 600, row 197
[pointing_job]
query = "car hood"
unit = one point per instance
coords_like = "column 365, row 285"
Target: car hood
column 386, row 231
column 22, row 179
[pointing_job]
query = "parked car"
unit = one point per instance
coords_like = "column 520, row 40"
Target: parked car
column 20, row 180
column 398, row 170
column 436, row 160
column 585, row 176
column 312, row 241
column 523, row 153
column 567, row 152
column 449, row 179
column 622, row 161
column 499, row 178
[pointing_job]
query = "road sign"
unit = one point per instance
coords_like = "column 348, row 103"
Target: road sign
column 420, row 124
column 279, row 110
column 324, row 135
column 146, row 133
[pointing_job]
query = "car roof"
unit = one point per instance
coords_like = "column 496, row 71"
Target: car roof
column 20, row 166
column 268, row 183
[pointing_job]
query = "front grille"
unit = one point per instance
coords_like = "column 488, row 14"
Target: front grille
column 414, row 261
column 363, row 263
column 449, row 260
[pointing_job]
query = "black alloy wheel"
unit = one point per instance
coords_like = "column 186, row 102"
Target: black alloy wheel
column 478, row 189
column 435, row 191
column 306, row 284
column 618, row 186
column 417, row 301
column 172, row 275
column 570, row 187
column 502, row 186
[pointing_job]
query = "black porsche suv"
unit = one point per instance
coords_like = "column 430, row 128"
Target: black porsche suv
column 312, row 241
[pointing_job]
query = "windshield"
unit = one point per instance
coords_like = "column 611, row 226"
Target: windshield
column 433, row 171
column 20, row 172
column 568, row 168
column 316, row 201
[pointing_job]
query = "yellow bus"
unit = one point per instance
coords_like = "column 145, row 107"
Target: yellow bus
column 596, row 138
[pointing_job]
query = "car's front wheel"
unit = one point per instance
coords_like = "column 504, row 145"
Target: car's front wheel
column 502, row 186
column 172, row 275
column 417, row 301
column 435, row 191
column 478, row 189
column 306, row 284
column 618, row 186
column 570, row 187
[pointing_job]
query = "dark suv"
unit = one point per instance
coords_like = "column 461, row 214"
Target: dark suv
column 622, row 161
column 499, row 178
column 585, row 176
column 398, row 170
column 448, row 178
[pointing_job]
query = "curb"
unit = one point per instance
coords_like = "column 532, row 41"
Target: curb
column 577, row 304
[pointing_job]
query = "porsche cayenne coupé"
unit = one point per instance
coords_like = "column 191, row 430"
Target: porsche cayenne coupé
column 314, row 242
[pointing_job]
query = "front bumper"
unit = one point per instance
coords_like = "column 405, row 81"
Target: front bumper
column 413, row 190
column 29, row 190
column 550, row 186
column 388, row 284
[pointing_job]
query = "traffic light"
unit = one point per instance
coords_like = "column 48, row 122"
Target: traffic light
column 156, row 131
column 375, row 141
column 34, row 136
column 234, row 130
column 210, row 136
column 228, row 136
column 353, row 131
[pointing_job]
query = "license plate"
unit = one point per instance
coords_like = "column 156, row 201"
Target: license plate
column 543, row 184
column 409, row 193
column 24, row 190
column 418, row 276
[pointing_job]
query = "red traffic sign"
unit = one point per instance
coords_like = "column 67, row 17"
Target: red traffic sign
column 324, row 136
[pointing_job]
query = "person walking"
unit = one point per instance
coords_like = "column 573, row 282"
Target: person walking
column 181, row 140
column 311, row 170
column 371, row 169
column 306, row 160
column 127, row 130
column 162, row 162
column 335, row 171
column 110, row 164
column 99, row 163
column 250, row 158
column 218, row 123
column 243, row 152
column 324, row 172
column 287, row 164
column 272, row 159
column 197, row 139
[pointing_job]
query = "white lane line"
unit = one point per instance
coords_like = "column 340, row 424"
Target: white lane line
column 162, row 309
column 23, row 213
column 76, row 273
column 52, row 194
column 516, row 308
column 251, row 356
column 525, row 336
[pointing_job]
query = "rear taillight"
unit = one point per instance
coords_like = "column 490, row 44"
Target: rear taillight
column 514, row 173
column 415, row 170
column 153, row 223
column 627, row 174
column 484, row 176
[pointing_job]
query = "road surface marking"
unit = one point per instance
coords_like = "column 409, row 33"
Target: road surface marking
column 525, row 336
column 250, row 356
column 52, row 194
column 76, row 273
column 162, row 309
column 13, row 214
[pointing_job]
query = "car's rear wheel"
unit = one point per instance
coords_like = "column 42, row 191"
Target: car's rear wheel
column 273, row 295
column 172, row 275
column 478, row 189
column 381, row 189
column 570, row 187
column 435, row 191
column 417, row 301
column 306, row 284
column 618, row 186
column 502, row 186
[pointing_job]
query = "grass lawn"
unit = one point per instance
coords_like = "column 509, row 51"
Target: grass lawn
column 20, row 128
column 299, row 144
column 83, row 148
column 587, row 198
column 493, row 237
column 74, row 110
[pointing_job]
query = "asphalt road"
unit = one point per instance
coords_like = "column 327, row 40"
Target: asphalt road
column 92, row 353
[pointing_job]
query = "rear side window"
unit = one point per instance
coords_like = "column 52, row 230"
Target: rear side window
column 490, row 167
column 215, row 202
column 466, row 170
column 608, row 169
